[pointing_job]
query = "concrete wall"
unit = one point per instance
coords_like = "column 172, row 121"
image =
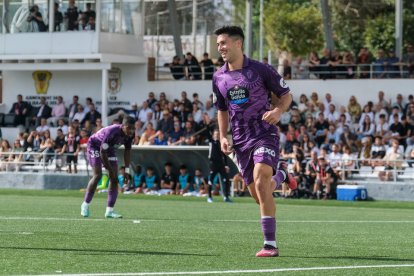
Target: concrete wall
column 42, row 181
column 390, row 191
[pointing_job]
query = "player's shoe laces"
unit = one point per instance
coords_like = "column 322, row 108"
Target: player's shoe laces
column 209, row 200
column 85, row 210
column 112, row 214
column 290, row 179
column 268, row 251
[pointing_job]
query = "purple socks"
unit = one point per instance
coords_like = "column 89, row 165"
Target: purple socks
column 89, row 196
column 112, row 195
column 278, row 178
column 269, row 229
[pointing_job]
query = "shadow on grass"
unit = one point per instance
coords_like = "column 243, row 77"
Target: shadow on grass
column 366, row 258
column 107, row 251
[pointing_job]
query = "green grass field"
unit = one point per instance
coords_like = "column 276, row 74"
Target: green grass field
column 42, row 232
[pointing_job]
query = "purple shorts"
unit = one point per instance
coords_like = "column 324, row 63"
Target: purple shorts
column 263, row 151
column 94, row 157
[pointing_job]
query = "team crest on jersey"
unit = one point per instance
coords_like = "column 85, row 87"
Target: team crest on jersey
column 283, row 83
column 238, row 95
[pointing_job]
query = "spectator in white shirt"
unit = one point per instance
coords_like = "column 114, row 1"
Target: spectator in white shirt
column 80, row 114
column 143, row 113
column 332, row 115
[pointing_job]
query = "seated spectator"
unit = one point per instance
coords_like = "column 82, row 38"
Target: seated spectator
column 210, row 109
column 334, row 158
column 311, row 171
column 197, row 114
column 393, row 161
column 314, row 63
column 348, row 163
column 90, row 25
column 365, row 151
column 321, row 126
column 300, row 70
column 176, row 136
column 163, row 101
column 73, row 107
column 379, row 110
column 157, row 113
column 366, row 128
column 147, row 135
column 43, row 111
column 166, row 123
column 143, row 112
column 168, row 180
column 377, row 152
column 354, row 109
column 200, row 184
column 367, row 111
column 150, row 184
column 348, row 62
column 184, row 184
column 80, row 114
column 150, row 119
column 326, row 178
column 139, row 131
column 92, row 115
column 332, row 115
column 364, row 60
column 58, row 112
column 138, row 178
column 189, row 135
column 125, row 181
column 393, row 65
column 15, row 159
column 177, row 68
column 20, row 109
column 396, row 129
column 98, row 126
column 61, row 124
column 159, row 139
column 5, row 151
column 43, row 126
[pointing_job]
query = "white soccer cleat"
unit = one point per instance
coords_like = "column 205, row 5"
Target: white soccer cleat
column 85, row 210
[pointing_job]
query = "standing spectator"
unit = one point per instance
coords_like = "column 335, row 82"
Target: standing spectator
column 59, row 143
column 36, row 20
column 71, row 149
column 314, row 63
column 58, row 112
column 187, row 105
column 349, row 65
column 89, row 12
column 299, row 69
column 408, row 61
column 90, row 25
column 393, row 65
column 287, row 70
column 72, row 15
column 379, row 64
column 20, row 110
column 58, row 18
column 193, row 68
column 364, row 60
column 208, row 67
column 197, row 101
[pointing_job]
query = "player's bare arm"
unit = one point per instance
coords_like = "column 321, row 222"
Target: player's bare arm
column 223, row 122
column 282, row 105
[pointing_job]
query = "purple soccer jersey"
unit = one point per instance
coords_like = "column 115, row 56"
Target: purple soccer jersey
column 245, row 94
column 107, row 139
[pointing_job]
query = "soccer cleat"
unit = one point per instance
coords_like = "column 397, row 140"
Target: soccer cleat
column 268, row 251
column 112, row 214
column 85, row 210
column 228, row 200
column 290, row 179
column 209, row 200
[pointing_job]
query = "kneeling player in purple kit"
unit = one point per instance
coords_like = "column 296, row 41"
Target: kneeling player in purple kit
column 241, row 94
column 101, row 151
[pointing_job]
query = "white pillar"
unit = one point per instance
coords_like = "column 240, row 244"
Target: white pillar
column 97, row 26
column 104, row 97
column 398, row 28
column 51, row 16
column 194, row 26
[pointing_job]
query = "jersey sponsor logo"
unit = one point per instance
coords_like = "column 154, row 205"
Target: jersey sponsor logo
column 265, row 151
column 238, row 95
column 283, row 83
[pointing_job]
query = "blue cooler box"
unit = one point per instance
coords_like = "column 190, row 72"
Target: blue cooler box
column 351, row 192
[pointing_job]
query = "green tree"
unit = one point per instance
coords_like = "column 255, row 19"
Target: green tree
column 379, row 33
column 293, row 27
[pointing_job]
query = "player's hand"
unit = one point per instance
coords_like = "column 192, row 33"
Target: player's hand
column 225, row 146
column 272, row 116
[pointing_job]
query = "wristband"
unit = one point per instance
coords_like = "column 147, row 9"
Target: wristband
column 127, row 170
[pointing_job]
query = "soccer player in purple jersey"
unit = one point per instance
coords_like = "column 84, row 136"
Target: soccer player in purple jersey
column 241, row 94
column 101, row 151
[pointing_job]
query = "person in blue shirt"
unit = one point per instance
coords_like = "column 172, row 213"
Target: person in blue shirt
column 150, row 184
column 200, row 182
column 139, row 177
column 185, row 184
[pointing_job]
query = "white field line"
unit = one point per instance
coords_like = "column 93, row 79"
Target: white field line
column 217, row 220
column 240, row 271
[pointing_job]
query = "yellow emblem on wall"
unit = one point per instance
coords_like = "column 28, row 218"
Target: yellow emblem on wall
column 41, row 79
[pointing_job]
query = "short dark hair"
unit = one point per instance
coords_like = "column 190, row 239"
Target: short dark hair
column 128, row 120
column 233, row 31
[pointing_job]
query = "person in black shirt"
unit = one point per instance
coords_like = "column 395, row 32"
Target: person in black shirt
column 168, row 180
column 20, row 110
column 72, row 15
column 208, row 67
column 218, row 165
column 89, row 12
column 194, row 69
column 176, row 68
